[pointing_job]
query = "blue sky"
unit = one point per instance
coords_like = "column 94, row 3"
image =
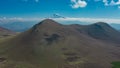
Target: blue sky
column 67, row 8
column 70, row 8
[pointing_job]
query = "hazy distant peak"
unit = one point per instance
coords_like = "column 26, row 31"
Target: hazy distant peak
column 101, row 23
column 48, row 22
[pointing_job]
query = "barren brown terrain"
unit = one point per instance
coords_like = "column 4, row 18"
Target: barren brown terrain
column 49, row 44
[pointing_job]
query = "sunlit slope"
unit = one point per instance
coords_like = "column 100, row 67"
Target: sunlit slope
column 49, row 44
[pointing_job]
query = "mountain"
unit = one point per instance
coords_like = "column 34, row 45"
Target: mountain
column 19, row 26
column 99, row 30
column 5, row 32
column 49, row 44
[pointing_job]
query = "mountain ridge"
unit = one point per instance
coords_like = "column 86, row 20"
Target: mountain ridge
column 99, row 30
column 48, row 41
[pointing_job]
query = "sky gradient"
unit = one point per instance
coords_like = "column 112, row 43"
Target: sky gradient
column 67, row 8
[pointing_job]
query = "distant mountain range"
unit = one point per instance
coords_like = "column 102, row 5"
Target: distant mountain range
column 18, row 26
column 25, row 25
column 116, row 26
column 49, row 44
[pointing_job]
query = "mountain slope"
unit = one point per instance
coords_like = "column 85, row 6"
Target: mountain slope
column 5, row 32
column 49, row 44
column 100, row 31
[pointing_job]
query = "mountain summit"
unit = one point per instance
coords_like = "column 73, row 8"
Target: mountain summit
column 46, row 25
column 71, row 45
column 101, row 24
column 48, row 22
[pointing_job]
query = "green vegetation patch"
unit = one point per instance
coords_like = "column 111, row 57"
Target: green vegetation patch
column 116, row 64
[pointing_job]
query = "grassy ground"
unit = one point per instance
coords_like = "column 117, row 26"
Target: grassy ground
column 116, row 65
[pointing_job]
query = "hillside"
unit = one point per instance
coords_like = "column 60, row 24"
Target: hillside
column 5, row 32
column 49, row 44
column 101, row 31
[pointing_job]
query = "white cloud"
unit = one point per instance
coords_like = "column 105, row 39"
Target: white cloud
column 90, row 20
column 78, row 3
column 18, row 19
column 112, row 3
column 118, row 3
column 82, row 3
column 105, row 2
